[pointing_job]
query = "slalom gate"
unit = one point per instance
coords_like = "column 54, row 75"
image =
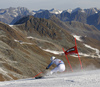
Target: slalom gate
column 72, row 50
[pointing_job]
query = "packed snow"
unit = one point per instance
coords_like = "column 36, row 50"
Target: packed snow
column 74, row 79
column 77, row 37
column 88, row 46
column 61, row 52
column 21, row 42
column 2, row 71
column 97, row 51
column 54, row 52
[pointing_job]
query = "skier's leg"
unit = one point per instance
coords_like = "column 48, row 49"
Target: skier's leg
column 56, row 69
column 61, row 67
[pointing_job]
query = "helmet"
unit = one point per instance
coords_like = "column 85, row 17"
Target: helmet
column 52, row 58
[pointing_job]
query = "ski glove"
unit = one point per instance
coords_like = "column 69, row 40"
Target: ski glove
column 47, row 68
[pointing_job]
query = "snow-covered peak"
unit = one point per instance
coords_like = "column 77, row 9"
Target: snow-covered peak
column 82, row 10
column 14, row 12
column 78, row 9
column 69, row 10
column 74, row 10
column 92, row 11
column 39, row 11
column 95, row 9
column 55, row 11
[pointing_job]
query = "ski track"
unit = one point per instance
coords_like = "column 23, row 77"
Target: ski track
column 75, row 79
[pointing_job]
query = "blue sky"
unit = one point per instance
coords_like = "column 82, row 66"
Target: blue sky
column 49, row 4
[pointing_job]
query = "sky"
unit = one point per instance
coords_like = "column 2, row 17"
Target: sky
column 49, row 4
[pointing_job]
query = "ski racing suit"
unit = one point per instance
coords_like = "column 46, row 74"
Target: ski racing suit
column 60, row 66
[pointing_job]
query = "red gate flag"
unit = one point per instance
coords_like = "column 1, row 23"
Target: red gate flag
column 72, row 50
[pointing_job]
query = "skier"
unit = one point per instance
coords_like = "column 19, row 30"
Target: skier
column 60, row 66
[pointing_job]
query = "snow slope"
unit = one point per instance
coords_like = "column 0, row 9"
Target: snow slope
column 75, row 79
column 88, row 46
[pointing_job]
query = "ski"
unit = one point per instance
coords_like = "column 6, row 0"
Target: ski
column 39, row 77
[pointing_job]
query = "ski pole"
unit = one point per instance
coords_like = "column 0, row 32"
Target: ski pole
column 38, row 73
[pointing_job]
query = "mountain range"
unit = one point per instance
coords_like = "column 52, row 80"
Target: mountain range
column 88, row 16
column 27, row 45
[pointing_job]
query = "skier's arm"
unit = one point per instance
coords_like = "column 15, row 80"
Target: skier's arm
column 49, row 65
